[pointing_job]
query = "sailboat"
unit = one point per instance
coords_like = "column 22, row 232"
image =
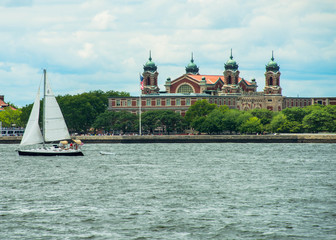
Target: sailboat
column 54, row 129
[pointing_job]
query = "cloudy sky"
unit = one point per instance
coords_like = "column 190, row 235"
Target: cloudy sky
column 101, row 44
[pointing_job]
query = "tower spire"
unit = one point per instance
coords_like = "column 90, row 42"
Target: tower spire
column 272, row 56
column 231, row 54
column 192, row 67
column 150, row 55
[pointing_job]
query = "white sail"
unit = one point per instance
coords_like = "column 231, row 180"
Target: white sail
column 55, row 127
column 32, row 134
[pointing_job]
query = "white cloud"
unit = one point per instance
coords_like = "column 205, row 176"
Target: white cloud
column 103, row 21
column 100, row 44
column 86, row 51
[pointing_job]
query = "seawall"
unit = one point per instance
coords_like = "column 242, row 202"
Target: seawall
column 281, row 138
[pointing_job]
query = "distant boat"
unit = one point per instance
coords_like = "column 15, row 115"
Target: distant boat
column 107, row 153
column 54, row 129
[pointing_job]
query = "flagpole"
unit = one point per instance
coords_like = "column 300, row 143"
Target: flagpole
column 140, row 114
column 141, row 88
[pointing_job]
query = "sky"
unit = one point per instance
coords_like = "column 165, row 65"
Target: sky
column 88, row 45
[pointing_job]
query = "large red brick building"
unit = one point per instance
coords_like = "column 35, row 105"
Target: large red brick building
column 228, row 89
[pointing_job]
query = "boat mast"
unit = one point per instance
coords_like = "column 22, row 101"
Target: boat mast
column 44, row 104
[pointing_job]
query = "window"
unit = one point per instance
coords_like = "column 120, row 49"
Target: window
column 129, row 103
column 137, row 102
column 188, row 101
column 148, row 102
column 158, row 102
column 118, row 103
column 178, row 102
column 168, row 102
column 185, row 88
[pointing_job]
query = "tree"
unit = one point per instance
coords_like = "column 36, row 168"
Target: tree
column 213, row 123
column 295, row 114
column 170, row 121
column 196, row 114
column 80, row 111
column 278, row 122
column 243, row 117
column 126, row 122
column 199, row 124
column 112, row 121
column 25, row 112
column 106, row 121
column 10, row 117
column 318, row 120
column 167, row 120
column 231, row 120
column 264, row 115
column 252, row 125
column 199, row 109
column 149, row 121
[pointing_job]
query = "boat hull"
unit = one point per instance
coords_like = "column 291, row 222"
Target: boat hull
column 49, row 153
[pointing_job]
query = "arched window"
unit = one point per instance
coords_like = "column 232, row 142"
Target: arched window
column 148, row 81
column 271, row 81
column 185, row 88
column 229, row 80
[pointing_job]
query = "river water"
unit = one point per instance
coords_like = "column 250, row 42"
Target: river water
column 171, row 191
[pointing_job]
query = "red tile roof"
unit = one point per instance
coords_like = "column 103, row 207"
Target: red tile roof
column 210, row 79
column 247, row 82
column 3, row 104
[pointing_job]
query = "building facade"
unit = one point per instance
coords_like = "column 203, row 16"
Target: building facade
column 228, row 89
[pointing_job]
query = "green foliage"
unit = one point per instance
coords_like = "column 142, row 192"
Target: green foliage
column 10, row 118
column 12, row 105
column 126, row 122
column 214, row 122
column 318, row 121
column 111, row 121
column 167, row 120
column 87, row 110
column 277, row 122
column 251, row 125
column 295, row 114
column 80, row 111
column 230, row 120
column 197, row 115
column 198, row 124
column 201, row 108
column 280, row 123
column 264, row 115
column 25, row 112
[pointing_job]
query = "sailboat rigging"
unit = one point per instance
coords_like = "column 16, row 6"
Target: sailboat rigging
column 53, row 128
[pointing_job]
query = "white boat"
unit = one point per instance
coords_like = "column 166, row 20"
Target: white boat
column 54, row 129
column 106, row 153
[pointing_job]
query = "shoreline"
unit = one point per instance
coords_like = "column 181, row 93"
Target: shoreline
column 281, row 138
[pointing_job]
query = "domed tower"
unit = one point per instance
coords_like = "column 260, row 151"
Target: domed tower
column 231, row 77
column 272, row 78
column 150, row 76
column 192, row 67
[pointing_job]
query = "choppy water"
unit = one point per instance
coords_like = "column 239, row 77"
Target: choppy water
column 171, row 191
